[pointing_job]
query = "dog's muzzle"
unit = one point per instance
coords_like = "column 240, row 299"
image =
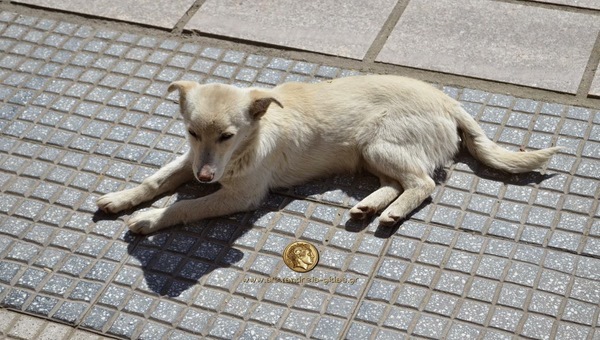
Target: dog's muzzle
column 206, row 174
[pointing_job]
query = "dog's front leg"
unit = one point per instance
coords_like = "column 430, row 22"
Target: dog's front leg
column 223, row 202
column 166, row 179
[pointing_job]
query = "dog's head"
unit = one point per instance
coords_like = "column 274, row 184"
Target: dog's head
column 219, row 119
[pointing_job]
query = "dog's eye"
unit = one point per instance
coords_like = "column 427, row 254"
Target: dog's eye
column 192, row 133
column 225, row 136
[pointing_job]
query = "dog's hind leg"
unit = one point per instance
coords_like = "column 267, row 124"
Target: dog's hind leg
column 417, row 187
column 378, row 199
column 403, row 166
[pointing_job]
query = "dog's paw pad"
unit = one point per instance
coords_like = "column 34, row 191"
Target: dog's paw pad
column 389, row 219
column 360, row 212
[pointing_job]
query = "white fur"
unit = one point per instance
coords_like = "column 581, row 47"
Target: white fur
column 397, row 128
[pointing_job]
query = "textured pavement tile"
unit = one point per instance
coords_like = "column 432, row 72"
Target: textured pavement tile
column 399, row 318
column 506, row 319
column 15, row 298
column 431, row 254
column 195, row 321
column 499, row 248
column 340, row 30
column 166, row 311
column 571, row 331
column 522, row 274
column 537, row 327
column 579, row 312
column 491, row 267
column 85, row 291
column 340, row 306
column 360, row 331
column 421, row 275
column 31, row 278
column 564, row 240
column 449, row 45
column 42, row 305
column 441, row 304
column 124, row 325
column 430, row 326
column 452, row 283
column 57, row 285
column 482, row 289
column 392, row 269
column 586, row 290
column 253, row 330
column 544, row 303
column 310, row 300
column 402, row 248
column 370, row 311
column 513, row 296
column 270, row 315
column 70, row 312
column 411, row 296
column 97, row 318
column 381, row 290
column 475, row 312
column 8, row 271
column 555, row 282
column 533, row 235
column 328, row 328
column 299, row 322
column 560, row 261
column 462, row 331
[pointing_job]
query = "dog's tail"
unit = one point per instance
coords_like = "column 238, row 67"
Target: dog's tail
column 491, row 154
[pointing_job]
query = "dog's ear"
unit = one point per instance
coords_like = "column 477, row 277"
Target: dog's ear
column 260, row 103
column 184, row 87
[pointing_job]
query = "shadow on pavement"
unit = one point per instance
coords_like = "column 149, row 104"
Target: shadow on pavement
column 484, row 171
column 175, row 259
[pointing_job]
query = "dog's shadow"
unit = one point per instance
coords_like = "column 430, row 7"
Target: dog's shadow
column 176, row 259
column 483, row 171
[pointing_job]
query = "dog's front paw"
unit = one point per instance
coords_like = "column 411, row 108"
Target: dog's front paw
column 115, row 202
column 147, row 222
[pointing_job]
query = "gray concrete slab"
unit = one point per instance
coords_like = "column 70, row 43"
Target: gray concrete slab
column 344, row 29
column 592, row 4
column 159, row 13
column 506, row 42
column 595, row 88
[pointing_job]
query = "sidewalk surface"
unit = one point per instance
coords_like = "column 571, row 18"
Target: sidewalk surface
column 84, row 111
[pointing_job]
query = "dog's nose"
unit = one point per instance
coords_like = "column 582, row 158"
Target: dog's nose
column 205, row 177
column 206, row 174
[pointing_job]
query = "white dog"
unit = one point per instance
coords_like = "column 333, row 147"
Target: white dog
column 250, row 140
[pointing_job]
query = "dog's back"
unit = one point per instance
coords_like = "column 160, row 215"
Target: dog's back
column 343, row 117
